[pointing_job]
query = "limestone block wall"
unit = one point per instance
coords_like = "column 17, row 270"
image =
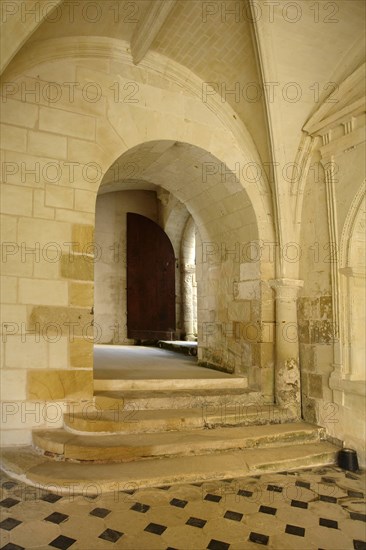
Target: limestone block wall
column 110, row 268
column 236, row 314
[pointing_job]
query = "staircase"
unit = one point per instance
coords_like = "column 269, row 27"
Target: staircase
column 175, row 434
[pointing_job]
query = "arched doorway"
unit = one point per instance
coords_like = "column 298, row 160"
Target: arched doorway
column 182, row 188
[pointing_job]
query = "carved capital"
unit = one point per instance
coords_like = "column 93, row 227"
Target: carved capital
column 286, row 289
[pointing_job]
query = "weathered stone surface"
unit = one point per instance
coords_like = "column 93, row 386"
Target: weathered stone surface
column 65, row 321
column 81, row 353
column 288, row 383
column 309, row 409
column 315, row 385
column 77, row 266
column 83, row 238
column 51, row 385
column 308, row 358
column 322, row 332
column 326, row 307
column 304, row 332
column 81, row 294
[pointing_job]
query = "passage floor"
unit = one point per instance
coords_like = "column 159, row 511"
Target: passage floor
column 321, row 508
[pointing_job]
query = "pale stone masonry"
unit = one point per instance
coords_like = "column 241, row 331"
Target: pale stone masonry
column 244, row 119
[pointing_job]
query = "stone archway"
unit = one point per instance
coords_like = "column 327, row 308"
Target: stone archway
column 56, row 158
column 228, row 269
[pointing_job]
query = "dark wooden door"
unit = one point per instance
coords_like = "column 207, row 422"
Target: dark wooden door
column 150, row 280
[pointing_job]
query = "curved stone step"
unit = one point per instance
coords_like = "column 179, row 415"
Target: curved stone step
column 175, row 398
column 125, row 418
column 124, row 448
column 94, row 479
column 187, row 384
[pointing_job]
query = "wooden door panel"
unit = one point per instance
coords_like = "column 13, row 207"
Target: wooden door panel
column 150, row 280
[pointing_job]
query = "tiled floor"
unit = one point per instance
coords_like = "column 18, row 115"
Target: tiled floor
column 307, row 509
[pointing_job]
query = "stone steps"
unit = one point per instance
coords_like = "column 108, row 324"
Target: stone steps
column 126, row 418
column 94, row 479
column 172, row 398
column 124, row 448
column 169, row 384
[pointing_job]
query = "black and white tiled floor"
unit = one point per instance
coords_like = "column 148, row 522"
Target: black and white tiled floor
column 321, row 508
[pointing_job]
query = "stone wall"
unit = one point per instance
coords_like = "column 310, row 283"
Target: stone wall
column 333, row 384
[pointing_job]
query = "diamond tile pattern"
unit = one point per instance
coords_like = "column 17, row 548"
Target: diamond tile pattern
column 312, row 508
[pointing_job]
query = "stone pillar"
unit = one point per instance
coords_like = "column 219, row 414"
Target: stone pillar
column 187, row 295
column 287, row 370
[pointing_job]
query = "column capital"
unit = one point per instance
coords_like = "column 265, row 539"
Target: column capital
column 286, row 288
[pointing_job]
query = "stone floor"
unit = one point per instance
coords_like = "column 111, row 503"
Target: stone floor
column 322, row 508
column 142, row 363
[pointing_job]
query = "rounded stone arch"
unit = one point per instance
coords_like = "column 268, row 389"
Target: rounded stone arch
column 127, row 125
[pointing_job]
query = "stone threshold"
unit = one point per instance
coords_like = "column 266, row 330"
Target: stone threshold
column 85, row 478
column 222, row 384
column 128, row 447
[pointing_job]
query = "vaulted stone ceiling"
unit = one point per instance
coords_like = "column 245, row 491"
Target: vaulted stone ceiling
column 240, row 47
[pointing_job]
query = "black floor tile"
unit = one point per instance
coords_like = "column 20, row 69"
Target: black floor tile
column 303, row 484
column 62, row 542
column 9, row 502
column 9, row 523
column 328, row 480
column 274, row 488
column 155, row 528
column 51, row 497
column 218, row 545
column 100, row 512
column 326, row 498
column 352, row 476
column 267, row 510
column 295, row 530
column 359, row 545
column 196, row 522
column 165, row 487
column 139, row 507
column 245, row 493
column 56, row 517
column 110, row 535
column 212, row 498
column 259, row 538
column 358, row 516
column 299, row 504
column 328, row 523
column 355, row 494
column 235, row 516
column 11, row 546
column 8, row 485
column 178, row 502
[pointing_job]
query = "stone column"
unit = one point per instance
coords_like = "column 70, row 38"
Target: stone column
column 287, row 370
column 187, row 295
